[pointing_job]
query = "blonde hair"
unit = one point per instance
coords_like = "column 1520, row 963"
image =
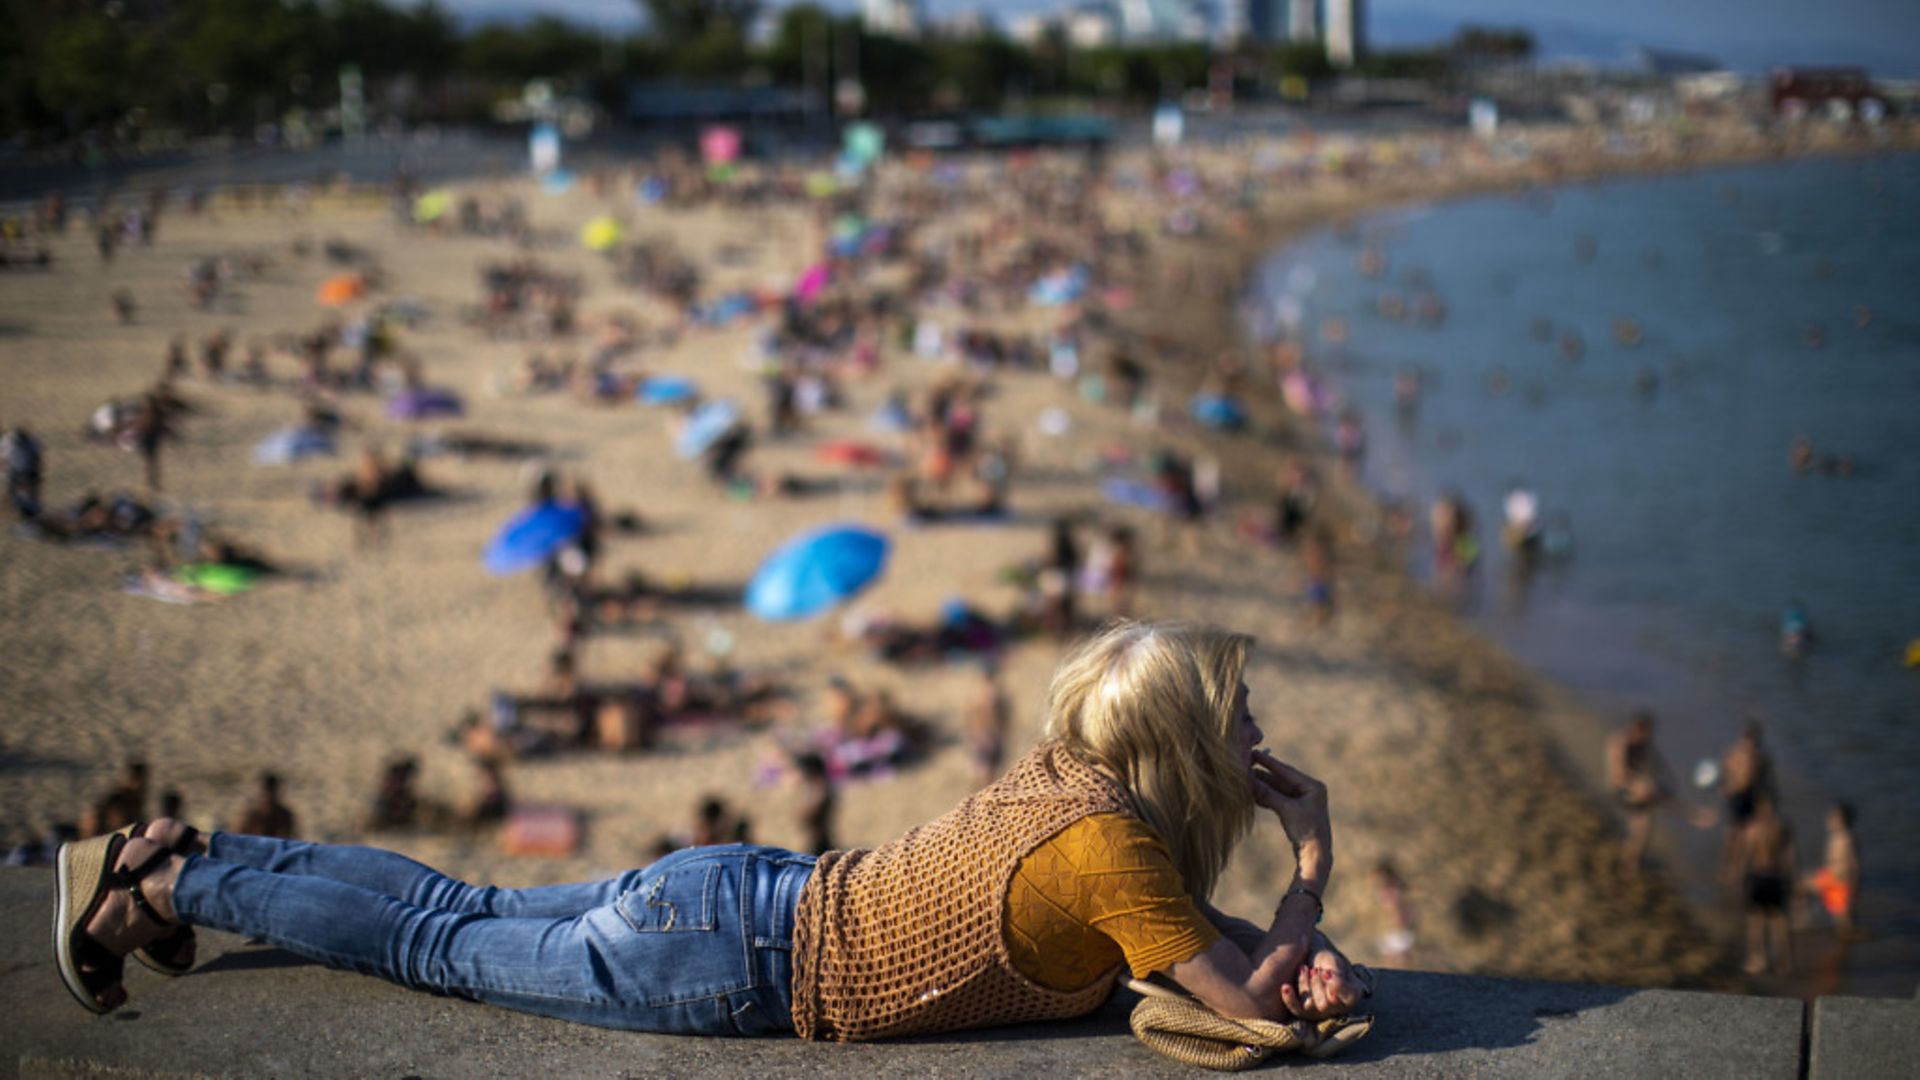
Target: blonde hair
column 1153, row 703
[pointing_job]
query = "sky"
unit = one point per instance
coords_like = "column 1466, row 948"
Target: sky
column 1747, row 34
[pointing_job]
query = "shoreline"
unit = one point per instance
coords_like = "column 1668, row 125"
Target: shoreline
column 1568, row 731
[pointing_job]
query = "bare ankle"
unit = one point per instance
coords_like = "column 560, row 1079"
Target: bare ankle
column 170, row 832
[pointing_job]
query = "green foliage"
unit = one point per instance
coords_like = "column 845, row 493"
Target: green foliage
column 1483, row 42
column 1307, row 59
column 689, row 22
column 976, row 74
column 538, row 50
column 79, row 67
column 1472, row 46
column 73, row 66
column 1409, row 64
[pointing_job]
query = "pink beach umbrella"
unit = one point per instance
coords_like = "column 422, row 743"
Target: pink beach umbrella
column 812, row 283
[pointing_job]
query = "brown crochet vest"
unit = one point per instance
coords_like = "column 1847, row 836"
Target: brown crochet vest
column 910, row 937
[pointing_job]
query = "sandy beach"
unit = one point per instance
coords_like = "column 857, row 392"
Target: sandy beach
column 1433, row 743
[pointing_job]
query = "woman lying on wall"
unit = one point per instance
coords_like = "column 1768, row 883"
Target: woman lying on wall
column 1095, row 853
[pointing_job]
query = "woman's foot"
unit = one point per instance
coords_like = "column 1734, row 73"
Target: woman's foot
column 173, row 954
column 176, row 836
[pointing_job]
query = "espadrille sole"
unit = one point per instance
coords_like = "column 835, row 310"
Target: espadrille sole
column 79, row 870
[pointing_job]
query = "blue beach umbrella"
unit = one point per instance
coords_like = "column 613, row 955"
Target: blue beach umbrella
column 532, row 536
column 816, row 570
column 1218, row 411
column 666, row 390
column 704, row 427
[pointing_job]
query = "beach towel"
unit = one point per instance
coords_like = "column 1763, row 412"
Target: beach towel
column 164, row 590
column 288, row 445
column 548, row 831
column 1128, row 492
column 220, row 579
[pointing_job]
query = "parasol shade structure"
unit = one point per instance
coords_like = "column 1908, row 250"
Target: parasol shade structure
column 602, row 233
column 705, row 426
column 816, row 570
column 1219, row 412
column 432, row 206
column 812, row 283
column 533, row 536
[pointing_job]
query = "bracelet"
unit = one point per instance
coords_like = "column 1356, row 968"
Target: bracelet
column 1299, row 888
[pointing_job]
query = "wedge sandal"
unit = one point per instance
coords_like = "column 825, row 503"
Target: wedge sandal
column 83, row 876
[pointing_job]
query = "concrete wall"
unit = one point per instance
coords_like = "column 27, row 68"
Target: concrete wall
column 252, row 1010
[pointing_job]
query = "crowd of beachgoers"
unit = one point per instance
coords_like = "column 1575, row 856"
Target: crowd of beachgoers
column 438, row 515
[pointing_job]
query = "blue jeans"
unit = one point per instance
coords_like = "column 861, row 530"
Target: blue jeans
column 699, row 943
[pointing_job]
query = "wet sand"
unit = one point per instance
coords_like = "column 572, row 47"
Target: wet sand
column 1430, row 739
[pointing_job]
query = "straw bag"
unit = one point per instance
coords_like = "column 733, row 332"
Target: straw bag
column 1183, row 1029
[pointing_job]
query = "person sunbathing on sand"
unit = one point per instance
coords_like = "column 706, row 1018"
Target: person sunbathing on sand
column 1148, row 777
column 96, row 517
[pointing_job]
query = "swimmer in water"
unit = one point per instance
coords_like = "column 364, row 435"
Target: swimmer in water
column 1802, row 454
column 1406, row 391
column 1796, row 631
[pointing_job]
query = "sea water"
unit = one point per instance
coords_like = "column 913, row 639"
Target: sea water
column 1719, row 316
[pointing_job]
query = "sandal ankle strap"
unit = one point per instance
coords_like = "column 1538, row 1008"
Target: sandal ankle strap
column 130, row 878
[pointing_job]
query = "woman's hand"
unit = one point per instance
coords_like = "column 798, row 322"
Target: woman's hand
column 1325, row 987
column 1300, row 801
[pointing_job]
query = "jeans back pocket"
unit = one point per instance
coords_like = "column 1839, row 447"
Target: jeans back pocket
column 685, row 898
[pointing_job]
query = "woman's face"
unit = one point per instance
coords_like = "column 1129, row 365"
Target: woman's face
column 1245, row 725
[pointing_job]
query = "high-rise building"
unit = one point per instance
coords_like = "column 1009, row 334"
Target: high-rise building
column 1093, row 26
column 1252, row 20
column 1303, row 20
column 1346, row 22
column 1235, row 23
column 899, row 18
column 1144, row 21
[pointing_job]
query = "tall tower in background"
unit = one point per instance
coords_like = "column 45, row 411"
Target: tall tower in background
column 1346, row 20
column 899, row 18
column 1303, row 22
column 1263, row 21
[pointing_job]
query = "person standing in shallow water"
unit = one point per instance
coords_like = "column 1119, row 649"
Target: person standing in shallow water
column 1639, row 779
column 1767, row 868
column 1745, row 773
column 1837, row 883
column 1094, row 855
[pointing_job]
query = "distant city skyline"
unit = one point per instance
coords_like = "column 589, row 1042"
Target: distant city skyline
column 1748, row 34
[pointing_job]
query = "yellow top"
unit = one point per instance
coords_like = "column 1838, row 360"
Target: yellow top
column 1102, row 890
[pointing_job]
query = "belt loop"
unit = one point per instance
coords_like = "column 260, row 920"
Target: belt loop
column 786, row 898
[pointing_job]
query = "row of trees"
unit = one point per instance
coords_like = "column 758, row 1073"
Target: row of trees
column 73, row 66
